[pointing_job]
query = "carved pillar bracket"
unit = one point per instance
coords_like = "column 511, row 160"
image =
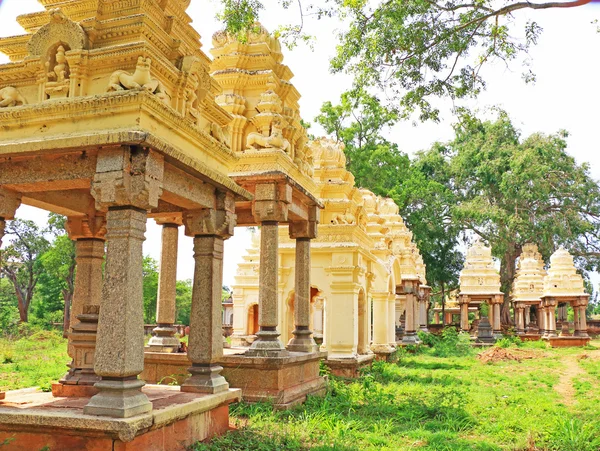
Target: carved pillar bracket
column 209, row 227
column 10, row 201
column 164, row 339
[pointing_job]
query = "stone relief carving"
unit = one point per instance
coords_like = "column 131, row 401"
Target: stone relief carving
column 122, row 80
column 197, row 87
column 59, row 29
column 10, row 96
column 343, row 218
column 57, row 74
column 221, row 134
column 256, row 140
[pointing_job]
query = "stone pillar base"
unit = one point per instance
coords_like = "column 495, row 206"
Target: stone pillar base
column 349, row 367
column 382, row 352
column 267, row 345
column 581, row 334
column 302, row 342
column 284, row 381
column 205, row 379
column 118, row 399
column 410, row 338
column 567, row 342
column 33, row 420
column 164, row 339
column 423, row 327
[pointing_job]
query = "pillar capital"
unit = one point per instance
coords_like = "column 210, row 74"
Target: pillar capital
column 271, row 202
column 89, row 226
column 209, row 222
column 170, row 219
column 9, row 203
column 303, row 229
column 128, row 176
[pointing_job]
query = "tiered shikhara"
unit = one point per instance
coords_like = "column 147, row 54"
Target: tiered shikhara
column 528, row 288
column 479, row 283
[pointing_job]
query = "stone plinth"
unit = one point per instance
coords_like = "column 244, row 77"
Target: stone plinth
column 34, row 420
column 530, row 337
column 349, row 367
column 568, row 342
column 165, row 368
column 285, row 381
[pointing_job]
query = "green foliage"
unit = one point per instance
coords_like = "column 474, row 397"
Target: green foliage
column 450, row 343
column 183, row 301
column 150, row 289
column 572, row 434
column 509, row 341
column 415, row 51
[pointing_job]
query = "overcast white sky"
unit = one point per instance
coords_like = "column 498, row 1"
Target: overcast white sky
column 566, row 95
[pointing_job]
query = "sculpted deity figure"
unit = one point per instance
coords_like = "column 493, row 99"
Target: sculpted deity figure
column 10, row 96
column 61, row 69
column 141, row 79
column 274, row 140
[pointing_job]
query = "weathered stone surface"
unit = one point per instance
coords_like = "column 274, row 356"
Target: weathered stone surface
column 9, row 203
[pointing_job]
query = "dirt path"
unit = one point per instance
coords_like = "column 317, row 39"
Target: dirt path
column 565, row 384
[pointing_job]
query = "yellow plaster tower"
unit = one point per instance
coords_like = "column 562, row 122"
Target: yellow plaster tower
column 528, row 288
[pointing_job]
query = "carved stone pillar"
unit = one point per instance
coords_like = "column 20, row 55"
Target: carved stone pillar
column 579, row 308
column 497, row 331
column 205, row 348
column 551, row 317
column 88, row 234
column 302, row 233
column 164, row 339
column 520, row 319
column 381, row 324
column 527, row 316
column 270, row 208
column 410, row 336
column 423, row 312
column 464, row 313
column 392, row 320
column 128, row 183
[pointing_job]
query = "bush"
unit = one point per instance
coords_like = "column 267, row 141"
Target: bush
column 509, row 341
column 572, row 434
column 450, row 343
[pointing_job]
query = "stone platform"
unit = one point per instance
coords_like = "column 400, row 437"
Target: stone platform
column 34, row 420
column 349, row 367
column 285, row 381
column 568, row 342
column 530, row 337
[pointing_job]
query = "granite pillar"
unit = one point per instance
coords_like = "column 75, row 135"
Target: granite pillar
column 496, row 325
column 119, row 354
column 551, row 318
column 267, row 343
column 423, row 313
column 464, row 315
column 520, row 320
column 392, row 320
column 89, row 257
column 579, row 309
column 410, row 313
column 302, row 340
column 164, row 339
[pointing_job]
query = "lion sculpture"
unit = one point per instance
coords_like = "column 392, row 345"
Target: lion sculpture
column 10, row 96
column 275, row 140
column 141, row 79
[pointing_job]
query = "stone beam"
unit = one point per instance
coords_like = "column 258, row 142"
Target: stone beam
column 67, row 202
column 185, row 191
column 48, row 172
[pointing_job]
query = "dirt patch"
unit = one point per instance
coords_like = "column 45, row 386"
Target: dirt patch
column 496, row 354
column 572, row 370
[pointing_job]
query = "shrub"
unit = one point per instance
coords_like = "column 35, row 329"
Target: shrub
column 509, row 341
column 451, row 343
column 572, row 434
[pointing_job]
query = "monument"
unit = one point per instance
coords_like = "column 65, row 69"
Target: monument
column 528, row 290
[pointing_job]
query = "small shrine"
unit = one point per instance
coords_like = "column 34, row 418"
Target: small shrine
column 562, row 284
column 480, row 283
column 528, row 290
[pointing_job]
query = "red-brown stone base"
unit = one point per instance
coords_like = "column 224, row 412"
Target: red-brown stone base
column 530, row 337
column 349, row 367
column 284, row 381
column 32, row 420
column 73, row 391
column 568, row 342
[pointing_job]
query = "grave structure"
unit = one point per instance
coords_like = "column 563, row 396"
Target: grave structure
column 361, row 255
column 562, row 284
column 273, row 163
column 480, row 283
column 104, row 110
column 528, row 289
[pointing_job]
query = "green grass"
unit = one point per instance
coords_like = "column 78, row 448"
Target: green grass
column 428, row 402
column 34, row 361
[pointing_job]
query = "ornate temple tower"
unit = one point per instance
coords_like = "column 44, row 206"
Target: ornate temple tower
column 528, row 287
column 479, row 283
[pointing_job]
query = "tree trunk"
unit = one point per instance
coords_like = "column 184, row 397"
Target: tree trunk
column 507, row 277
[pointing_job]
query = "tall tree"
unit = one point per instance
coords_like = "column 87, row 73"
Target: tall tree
column 150, row 289
column 511, row 191
column 59, row 263
column 416, row 50
column 20, row 261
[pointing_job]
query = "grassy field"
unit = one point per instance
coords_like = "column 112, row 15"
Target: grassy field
column 34, row 361
column 439, row 398
column 430, row 402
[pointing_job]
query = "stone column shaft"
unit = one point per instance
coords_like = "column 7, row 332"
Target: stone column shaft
column 164, row 339
column 392, row 320
column 551, row 320
column 423, row 313
column 580, row 321
column 464, row 316
column 381, row 324
column 205, row 346
column 89, row 256
column 409, row 322
column 119, row 354
column 302, row 340
column 496, row 326
column 267, row 343
column 520, row 320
